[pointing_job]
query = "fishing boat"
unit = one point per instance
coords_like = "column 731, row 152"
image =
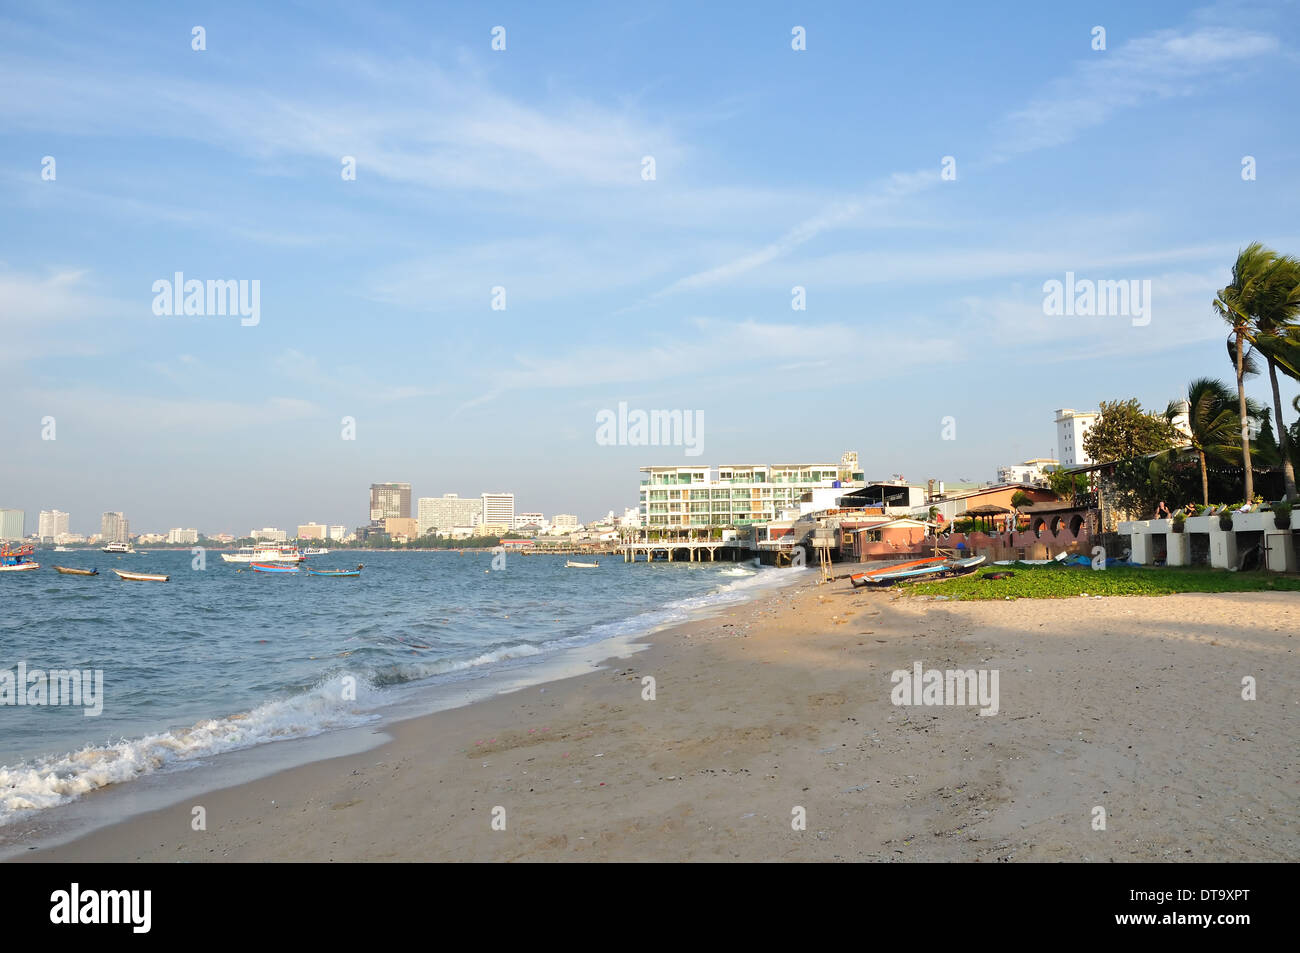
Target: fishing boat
column 273, row 567
column 570, row 564
column 333, row 572
column 17, row 560
column 119, row 549
column 911, row 572
column 860, row 579
column 76, row 572
column 140, row 576
column 265, row 554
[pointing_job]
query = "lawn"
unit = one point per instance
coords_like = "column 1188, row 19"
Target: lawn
column 1057, row 582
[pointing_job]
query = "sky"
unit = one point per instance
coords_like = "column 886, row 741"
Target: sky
column 919, row 172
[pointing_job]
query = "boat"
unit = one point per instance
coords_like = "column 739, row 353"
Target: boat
column 17, row 560
column 76, row 572
column 919, row 570
column 860, row 579
column 333, row 572
column 273, row 567
column 118, row 549
column 265, row 554
column 315, row 552
column 1060, row 557
column 570, row 564
column 62, row 549
column 140, row 576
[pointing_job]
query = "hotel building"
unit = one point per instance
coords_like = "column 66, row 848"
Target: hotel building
column 499, row 510
column 51, row 524
column 114, row 528
column 1071, row 427
column 736, row 495
column 441, row 514
column 312, row 531
column 11, row 524
column 185, row 537
column 390, row 500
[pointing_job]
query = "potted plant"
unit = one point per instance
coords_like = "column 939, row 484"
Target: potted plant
column 1225, row 519
column 1282, row 514
column 1179, row 522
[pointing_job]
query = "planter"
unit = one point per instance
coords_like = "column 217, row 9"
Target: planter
column 1225, row 522
column 1178, row 526
column 1282, row 520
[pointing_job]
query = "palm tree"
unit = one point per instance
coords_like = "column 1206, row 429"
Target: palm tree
column 1237, row 303
column 1275, row 333
column 1212, row 422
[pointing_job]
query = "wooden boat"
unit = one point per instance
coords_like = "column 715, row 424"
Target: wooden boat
column 334, row 572
column 76, row 572
column 570, row 564
column 140, row 576
column 944, row 569
column 860, row 579
column 273, row 567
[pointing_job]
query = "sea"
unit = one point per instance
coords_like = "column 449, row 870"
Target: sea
column 221, row 659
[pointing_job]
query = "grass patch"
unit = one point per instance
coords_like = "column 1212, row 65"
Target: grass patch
column 1059, row 582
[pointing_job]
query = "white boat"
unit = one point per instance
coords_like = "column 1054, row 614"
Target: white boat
column 1058, row 558
column 62, row 549
column 141, row 576
column 118, row 548
column 570, row 564
column 315, row 552
column 265, row 554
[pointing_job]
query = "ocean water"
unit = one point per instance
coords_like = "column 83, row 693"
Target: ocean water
column 220, row 660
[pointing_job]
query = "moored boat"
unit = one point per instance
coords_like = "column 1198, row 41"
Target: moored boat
column 265, row 554
column 140, row 576
column 67, row 571
column 333, row 572
column 570, row 564
column 273, row 567
column 17, row 560
column 119, row 549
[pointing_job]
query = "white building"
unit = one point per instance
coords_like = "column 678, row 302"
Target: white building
column 52, row 524
column 1031, row 471
column 566, row 522
column 338, row 532
column 270, row 534
column 737, row 494
column 532, row 519
column 440, row 514
column 11, row 524
column 114, row 528
column 1071, row 426
column 185, row 537
column 499, row 509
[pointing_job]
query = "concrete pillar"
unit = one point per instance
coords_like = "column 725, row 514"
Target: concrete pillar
column 1142, row 548
column 1180, row 550
column 1281, row 550
column 1223, row 547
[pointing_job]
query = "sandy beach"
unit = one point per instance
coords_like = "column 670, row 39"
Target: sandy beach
column 1129, row 704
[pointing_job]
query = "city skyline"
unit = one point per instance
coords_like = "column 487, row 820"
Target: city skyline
column 462, row 260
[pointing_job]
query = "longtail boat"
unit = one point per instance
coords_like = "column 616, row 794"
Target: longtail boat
column 334, row 572
column 17, row 560
column 140, row 576
column 273, row 567
column 76, row 572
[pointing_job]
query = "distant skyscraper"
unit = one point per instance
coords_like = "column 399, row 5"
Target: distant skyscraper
column 185, row 537
column 11, row 524
column 442, row 514
column 114, row 528
column 390, row 501
column 499, row 509
column 52, row 523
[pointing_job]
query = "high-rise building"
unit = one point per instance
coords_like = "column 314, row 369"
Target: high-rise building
column 402, row 526
column 530, row 519
column 565, row 521
column 11, row 524
column 270, row 534
column 338, row 532
column 441, row 514
column 313, row 531
column 734, row 495
column 186, row 537
column 390, row 500
column 1071, row 426
column 499, row 509
column 114, row 528
column 52, row 523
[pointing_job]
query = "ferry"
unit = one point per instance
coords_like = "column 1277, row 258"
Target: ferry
column 265, row 554
column 17, row 560
column 118, row 548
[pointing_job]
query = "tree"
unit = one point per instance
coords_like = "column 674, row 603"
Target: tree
column 1236, row 303
column 1213, row 423
column 1276, row 335
column 1124, row 431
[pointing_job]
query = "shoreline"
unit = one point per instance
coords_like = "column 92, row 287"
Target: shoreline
column 783, row 703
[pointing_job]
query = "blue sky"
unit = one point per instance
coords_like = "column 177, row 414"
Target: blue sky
column 522, row 169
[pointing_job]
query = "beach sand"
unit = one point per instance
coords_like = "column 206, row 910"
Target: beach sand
column 1130, row 704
